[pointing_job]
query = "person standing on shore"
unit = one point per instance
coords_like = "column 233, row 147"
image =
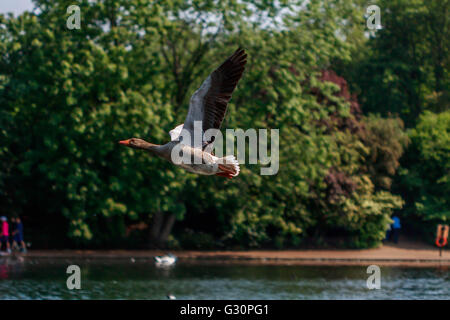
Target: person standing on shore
column 4, row 236
column 396, row 226
column 17, row 234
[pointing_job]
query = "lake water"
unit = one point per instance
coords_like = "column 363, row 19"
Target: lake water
column 124, row 279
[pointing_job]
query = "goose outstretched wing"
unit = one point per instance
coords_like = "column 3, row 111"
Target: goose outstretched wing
column 209, row 103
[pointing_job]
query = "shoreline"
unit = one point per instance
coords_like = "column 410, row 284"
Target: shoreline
column 387, row 255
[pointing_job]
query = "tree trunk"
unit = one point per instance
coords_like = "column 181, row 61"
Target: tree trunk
column 160, row 229
column 167, row 228
column 155, row 228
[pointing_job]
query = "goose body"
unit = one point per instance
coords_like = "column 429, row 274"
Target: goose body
column 207, row 107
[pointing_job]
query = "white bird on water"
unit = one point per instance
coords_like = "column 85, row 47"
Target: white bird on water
column 165, row 261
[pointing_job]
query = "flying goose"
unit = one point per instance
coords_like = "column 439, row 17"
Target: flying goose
column 207, row 107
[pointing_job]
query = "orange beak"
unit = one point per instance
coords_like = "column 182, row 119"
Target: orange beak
column 125, row 142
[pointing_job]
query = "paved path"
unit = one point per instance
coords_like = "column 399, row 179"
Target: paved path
column 406, row 254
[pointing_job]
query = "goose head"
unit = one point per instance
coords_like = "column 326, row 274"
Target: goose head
column 137, row 143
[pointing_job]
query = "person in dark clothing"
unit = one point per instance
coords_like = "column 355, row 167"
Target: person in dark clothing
column 13, row 228
column 17, row 234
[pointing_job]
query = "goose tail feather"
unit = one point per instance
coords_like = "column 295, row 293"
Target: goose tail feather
column 228, row 166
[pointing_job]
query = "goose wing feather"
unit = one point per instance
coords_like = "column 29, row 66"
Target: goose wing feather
column 209, row 103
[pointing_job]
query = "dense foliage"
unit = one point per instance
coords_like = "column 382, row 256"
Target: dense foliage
column 404, row 67
column 403, row 70
column 425, row 177
column 67, row 97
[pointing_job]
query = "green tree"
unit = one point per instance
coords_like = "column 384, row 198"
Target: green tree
column 387, row 141
column 68, row 96
column 403, row 68
column 424, row 179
